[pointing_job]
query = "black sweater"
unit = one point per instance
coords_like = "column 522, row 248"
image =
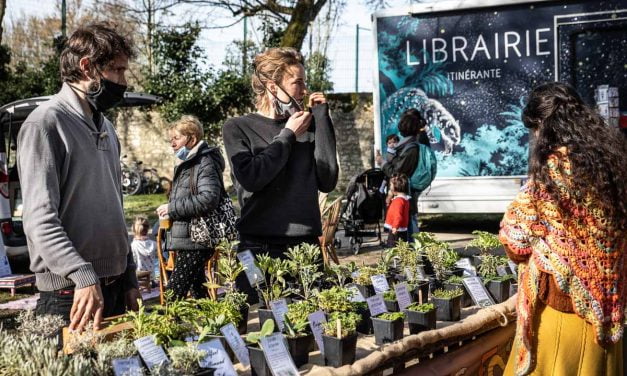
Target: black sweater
column 278, row 177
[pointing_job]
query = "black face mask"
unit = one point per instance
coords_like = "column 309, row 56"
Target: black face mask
column 107, row 96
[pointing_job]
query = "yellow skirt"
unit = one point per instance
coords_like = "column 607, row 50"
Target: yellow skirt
column 565, row 346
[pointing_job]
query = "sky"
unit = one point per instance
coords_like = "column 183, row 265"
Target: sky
column 341, row 50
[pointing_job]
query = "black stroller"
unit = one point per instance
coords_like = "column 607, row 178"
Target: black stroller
column 364, row 210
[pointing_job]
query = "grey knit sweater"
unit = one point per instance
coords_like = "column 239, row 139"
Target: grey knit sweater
column 71, row 189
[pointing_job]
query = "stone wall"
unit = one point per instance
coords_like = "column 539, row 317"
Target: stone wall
column 143, row 136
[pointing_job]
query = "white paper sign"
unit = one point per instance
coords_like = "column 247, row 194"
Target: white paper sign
column 279, row 309
column 402, row 295
column 152, row 354
column 376, row 305
column 127, row 367
column 380, row 283
column 216, row 358
column 356, row 297
column 5, row 267
column 478, row 292
column 465, row 264
column 501, row 270
column 277, row 356
column 513, row 267
column 252, row 271
column 420, row 273
column 316, row 322
column 236, row 342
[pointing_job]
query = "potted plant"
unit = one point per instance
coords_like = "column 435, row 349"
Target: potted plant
column 363, row 281
column 456, row 282
column 340, row 274
column 389, row 297
column 258, row 363
column 420, row 317
column 228, row 269
column 364, row 326
column 300, row 340
column 448, row 304
column 340, row 338
column 273, row 271
column 303, row 263
column 485, row 242
column 442, row 258
column 335, row 299
column 184, row 360
column 497, row 285
column 388, row 327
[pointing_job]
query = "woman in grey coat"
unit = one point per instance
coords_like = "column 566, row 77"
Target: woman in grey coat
column 201, row 166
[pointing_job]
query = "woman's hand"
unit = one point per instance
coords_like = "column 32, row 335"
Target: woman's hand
column 162, row 211
column 316, row 98
column 299, row 122
column 378, row 158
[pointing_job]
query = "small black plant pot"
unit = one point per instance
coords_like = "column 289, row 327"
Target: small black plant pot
column 427, row 266
column 513, row 289
column 365, row 325
column 499, row 290
column 386, row 331
column 299, row 348
column 242, row 327
column 391, row 305
column 424, row 288
column 339, row 352
column 448, row 309
column 258, row 364
column 434, row 283
column 365, row 290
column 466, row 298
column 455, row 272
column 205, row 372
column 400, row 277
column 266, row 314
column 477, row 260
column 420, row 321
column 262, row 302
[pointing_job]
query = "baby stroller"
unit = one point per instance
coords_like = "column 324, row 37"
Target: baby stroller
column 364, row 209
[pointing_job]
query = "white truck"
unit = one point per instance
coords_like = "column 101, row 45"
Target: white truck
column 468, row 66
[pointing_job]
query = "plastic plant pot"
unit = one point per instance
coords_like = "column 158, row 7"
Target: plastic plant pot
column 391, row 305
column 299, row 348
column 420, row 321
column 513, row 289
column 365, row 290
column 339, row 352
column 422, row 286
column 386, row 331
column 499, row 290
column 266, row 314
column 448, row 309
column 258, row 364
column 365, row 325
column 242, row 327
column 466, row 298
column 205, row 372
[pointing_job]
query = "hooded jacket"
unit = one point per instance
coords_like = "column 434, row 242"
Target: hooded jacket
column 183, row 206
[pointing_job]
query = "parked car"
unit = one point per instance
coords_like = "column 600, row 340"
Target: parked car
column 12, row 116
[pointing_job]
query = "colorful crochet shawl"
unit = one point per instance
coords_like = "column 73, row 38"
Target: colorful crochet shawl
column 583, row 251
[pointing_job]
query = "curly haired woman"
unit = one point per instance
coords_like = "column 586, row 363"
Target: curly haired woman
column 567, row 231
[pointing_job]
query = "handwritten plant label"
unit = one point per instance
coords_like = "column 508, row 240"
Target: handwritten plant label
column 478, row 292
column 279, row 309
column 127, row 366
column 236, row 343
column 402, row 295
column 465, row 264
column 513, row 267
column 252, row 271
column 356, row 297
column 376, row 305
column 278, row 357
column 152, row 354
column 380, row 283
column 216, row 358
column 501, row 270
column 316, row 321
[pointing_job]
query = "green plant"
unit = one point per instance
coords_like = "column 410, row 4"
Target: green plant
column 302, row 255
column 165, row 327
column 235, row 298
column 273, row 271
column 266, row 329
column 389, row 295
column 42, row 325
column 338, row 274
column 186, row 358
column 485, row 241
column 119, row 348
column 297, row 317
column 391, row 316
column 447, row 294
column 488, row 269
column 228, row 266
column 455, row 279
column 308, row 276
column 407, row 255
column 424, row 307
column 348, row 324
column 214, row 314
column 441, row 255
column 387, row 258
column 335, row 299
column 365, row 273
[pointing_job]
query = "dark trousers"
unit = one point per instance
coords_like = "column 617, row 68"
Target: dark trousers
column 393, row 238
column 273, row 249
column 189, row 275
column 59, row 302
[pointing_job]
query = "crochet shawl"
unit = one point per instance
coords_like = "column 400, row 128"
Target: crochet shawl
column 577, row 245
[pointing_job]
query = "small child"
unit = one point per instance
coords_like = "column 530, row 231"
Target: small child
column 397, row 216
column 144, row 249
column 391, row 142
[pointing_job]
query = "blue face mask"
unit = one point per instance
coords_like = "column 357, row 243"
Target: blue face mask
column 182, row 153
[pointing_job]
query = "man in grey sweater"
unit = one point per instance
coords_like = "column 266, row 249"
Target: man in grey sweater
column 68, row 161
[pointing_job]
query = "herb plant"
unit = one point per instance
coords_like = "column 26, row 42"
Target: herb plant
column 335, row 299
column 389, row 295
column 455, row 280
column 391, row 316
column 485, row 241
column 365, row 273
column 348, row 324
column 447, row 294
column 273, row 271
column 424, row 307
column 266, row 329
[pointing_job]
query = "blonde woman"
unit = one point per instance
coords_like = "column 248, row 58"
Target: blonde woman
column 200, row 165
column 280, row 156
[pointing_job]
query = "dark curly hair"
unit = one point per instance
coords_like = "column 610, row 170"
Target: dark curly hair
column 411, row 123
column 596, row 151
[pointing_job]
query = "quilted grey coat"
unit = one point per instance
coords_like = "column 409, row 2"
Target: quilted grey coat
column 208, row 165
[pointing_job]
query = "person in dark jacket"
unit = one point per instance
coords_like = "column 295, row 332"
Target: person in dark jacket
column 280, row 157
column 405, row 161
column 201, row 165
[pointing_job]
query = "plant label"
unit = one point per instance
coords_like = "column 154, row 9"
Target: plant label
column 316, row 321
column 277, row 356
column 236, row 342
column 356, row 297
column 216, row 358
column 279, row 309
column 465, row 264
column 152, row 354
column 380, row 283
column 402, row 295
column 250, row 269
column 501, row 270
column 478, row 292
column 127, row 367
column 420, row 273
column 355, row 274
column 513, row 267
column 376, row 305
